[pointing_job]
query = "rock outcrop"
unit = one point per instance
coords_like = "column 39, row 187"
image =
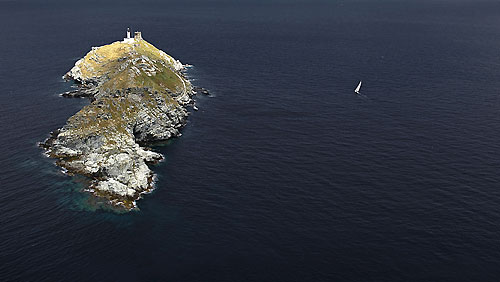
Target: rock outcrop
column 138, row 95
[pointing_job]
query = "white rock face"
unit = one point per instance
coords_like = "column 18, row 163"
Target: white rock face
column 75, row 72
column 115, row 187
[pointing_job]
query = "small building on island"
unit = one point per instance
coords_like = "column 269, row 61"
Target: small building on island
column 128, row 39
column 137, row 35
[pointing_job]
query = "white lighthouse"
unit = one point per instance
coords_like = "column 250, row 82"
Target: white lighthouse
column 128, row 39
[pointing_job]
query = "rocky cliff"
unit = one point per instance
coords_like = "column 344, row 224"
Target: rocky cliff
column 138, row 95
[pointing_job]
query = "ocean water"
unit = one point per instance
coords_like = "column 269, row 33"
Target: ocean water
column 284, row 174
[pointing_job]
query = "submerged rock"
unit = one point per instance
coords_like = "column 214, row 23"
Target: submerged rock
column 138, row 95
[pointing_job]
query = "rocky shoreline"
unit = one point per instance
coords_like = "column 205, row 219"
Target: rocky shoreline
column 138, row 95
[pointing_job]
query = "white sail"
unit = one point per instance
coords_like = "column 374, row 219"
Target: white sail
column 357, row 88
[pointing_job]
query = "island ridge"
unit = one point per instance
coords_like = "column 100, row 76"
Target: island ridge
column 138, row 95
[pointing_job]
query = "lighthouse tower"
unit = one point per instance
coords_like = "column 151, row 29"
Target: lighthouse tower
column 128, row 39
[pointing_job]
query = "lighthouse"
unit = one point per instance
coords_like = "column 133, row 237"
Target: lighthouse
column 128, row 39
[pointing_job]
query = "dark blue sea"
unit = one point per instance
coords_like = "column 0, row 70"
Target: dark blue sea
column 284, row 174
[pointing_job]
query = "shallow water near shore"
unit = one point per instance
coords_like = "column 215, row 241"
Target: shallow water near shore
column 283, row 174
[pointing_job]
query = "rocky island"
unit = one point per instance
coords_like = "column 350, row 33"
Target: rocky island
column 138, row 95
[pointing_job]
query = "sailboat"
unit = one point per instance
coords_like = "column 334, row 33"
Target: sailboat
column 357, row 88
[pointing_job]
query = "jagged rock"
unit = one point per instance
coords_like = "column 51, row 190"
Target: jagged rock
column 200, row 90
column 138, row 95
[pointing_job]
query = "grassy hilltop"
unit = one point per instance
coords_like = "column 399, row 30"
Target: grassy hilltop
column 127, row 65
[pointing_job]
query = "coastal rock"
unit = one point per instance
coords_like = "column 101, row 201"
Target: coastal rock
column 201, row 90
column 138, row 95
